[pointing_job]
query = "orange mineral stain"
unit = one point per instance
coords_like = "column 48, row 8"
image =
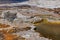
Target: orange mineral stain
column 4, row 25
column 9, row 36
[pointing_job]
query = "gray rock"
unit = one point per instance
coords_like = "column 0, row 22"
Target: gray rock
column 10, row 16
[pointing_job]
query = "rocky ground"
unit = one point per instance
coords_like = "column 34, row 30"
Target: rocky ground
column 18, row 23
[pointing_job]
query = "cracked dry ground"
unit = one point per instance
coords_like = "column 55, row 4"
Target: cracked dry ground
column 29, row 23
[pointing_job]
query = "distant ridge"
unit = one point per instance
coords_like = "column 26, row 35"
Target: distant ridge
column 15, row 6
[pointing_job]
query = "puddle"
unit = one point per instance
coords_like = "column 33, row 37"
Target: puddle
column 49, row 30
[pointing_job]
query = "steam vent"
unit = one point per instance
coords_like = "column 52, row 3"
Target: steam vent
column 29, row 19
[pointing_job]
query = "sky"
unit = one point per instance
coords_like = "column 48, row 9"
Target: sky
column 11, row 1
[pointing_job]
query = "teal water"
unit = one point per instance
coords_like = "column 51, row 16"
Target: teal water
column 12, row 1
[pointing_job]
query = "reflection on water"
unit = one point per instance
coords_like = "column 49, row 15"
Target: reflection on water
column 49, row 29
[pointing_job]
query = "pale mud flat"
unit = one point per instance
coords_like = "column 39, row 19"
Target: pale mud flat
column 40, row 3
column 46, row 3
